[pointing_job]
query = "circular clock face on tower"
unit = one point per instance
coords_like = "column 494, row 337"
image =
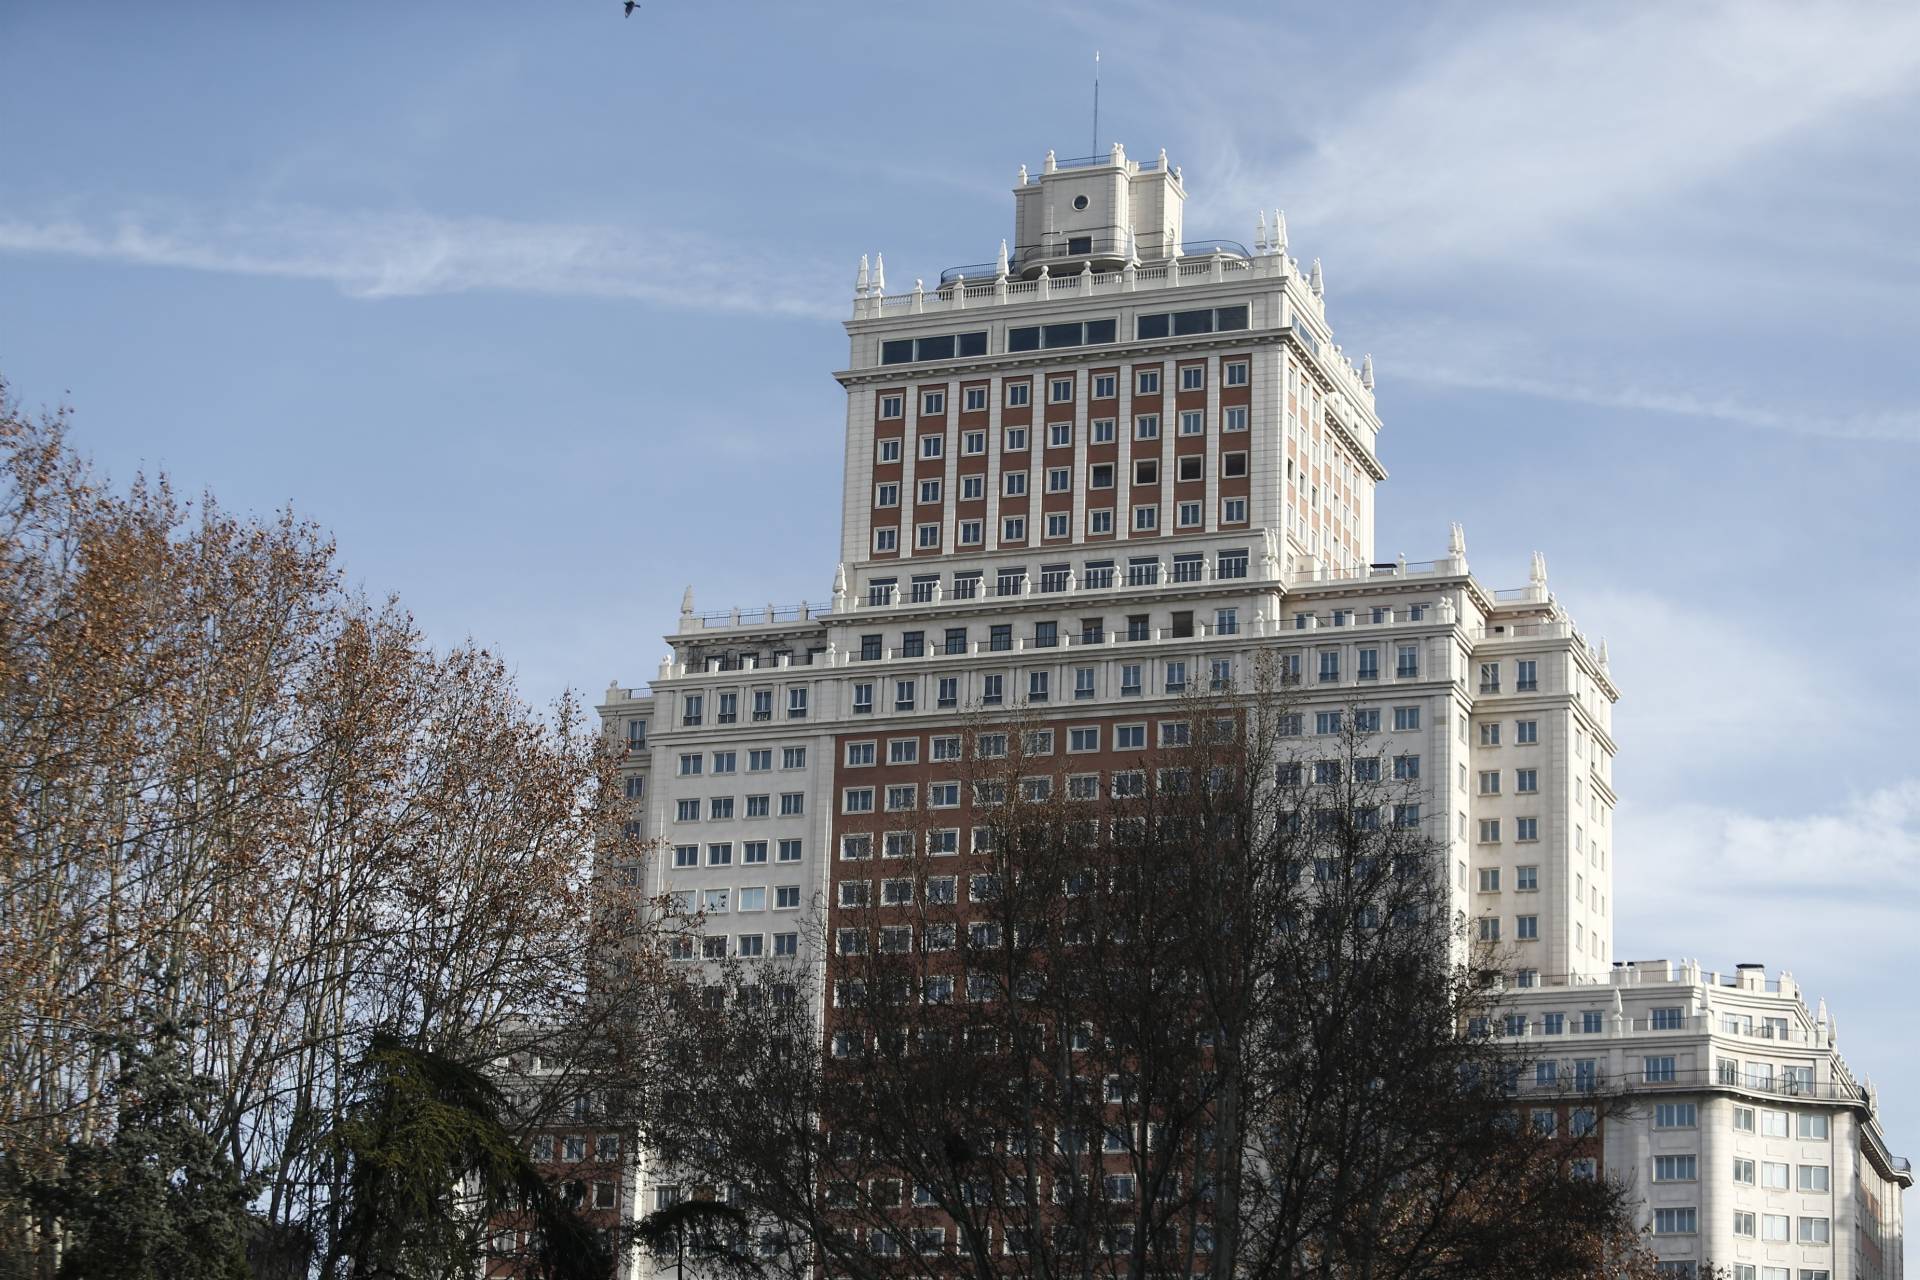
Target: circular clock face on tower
column 1079, row 202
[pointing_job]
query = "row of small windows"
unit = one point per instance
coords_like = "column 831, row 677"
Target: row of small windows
column 1772, row 1228
column 793, row 804
column 1094, row 575
column 1066, row 334
column 753, row 853
column 1105, row 386
column 693, row 710
column 747, row 945
column 1059, row 435
column 1177, row 676
column 1100, row 475
column 1058, row 524
column 759, row 759
column 786, row 897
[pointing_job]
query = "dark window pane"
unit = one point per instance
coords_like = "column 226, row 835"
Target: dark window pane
column 899, row 351
column 937, row 348
column 1230, row 318
column 1063, row 335
column 1026, row 339
column 975, row 344
column 1155, row 326
column 1080, row 244
column 1101, row 330
column 1193, row 321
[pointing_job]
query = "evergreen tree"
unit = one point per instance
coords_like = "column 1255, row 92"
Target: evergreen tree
column 158, row 1199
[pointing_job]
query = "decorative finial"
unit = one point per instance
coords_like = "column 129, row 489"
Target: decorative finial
column 864, row 280
column 1163, row 159
column 1456, row 542
column 1537, row 571
column 1133, row 245
column 840, row 579
column 1050, row 166
column 1176, row 173
column 1366, row 372
column 686, row 602
column 879, row 274
column 1260, row 233
column 1603, row 653
column 1279, row 230
column 1317, row 281
column 1023, row 175
column 1000, row 266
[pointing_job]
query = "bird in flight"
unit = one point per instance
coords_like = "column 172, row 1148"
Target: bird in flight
column 631, row 5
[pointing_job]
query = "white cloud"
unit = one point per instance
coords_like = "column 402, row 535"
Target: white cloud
column 1509, row 134
column 388, row 255
column 1887, row 424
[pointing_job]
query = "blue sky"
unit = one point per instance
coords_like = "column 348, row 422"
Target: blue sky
column 535, row 307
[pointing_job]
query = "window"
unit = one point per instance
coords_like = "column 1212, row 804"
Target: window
column 1675, row 1169
column 1489, row 831
column 1659, row 1069
column 1525, row 677
column 859, row 753
column 1104, row 386
column 857, row 800
column 1013, row 529
column 1146, row 519
column 1673, row 1115
column 890, row 449
column 1083, row 682
column 1146, row 426
column 972, row 532
column 1235, row 373
column 1773, row 1124
column 1192, row 423
column 1670, row 1222
column 1147, row 382
column 1489, row 928
column 720, row 855
column 1016, row 439
column 975, row 399
column 1743, row 1173
column 1015, row 483
column 1490, row 782
column 1526, row 829
column 1813, row 1127
column 1489, row 677
column 1815, row 1177
column 1103, row 431
column 1233, row 511
column 1775, row 1228
column 1019, row 394
column 1100, row 521
column 1489, row 879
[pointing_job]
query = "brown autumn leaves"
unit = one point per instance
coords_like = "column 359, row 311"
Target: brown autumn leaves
column 241, row 797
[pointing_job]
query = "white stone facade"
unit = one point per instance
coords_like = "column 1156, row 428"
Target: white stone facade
column 1495, row 699
column 1750, row 1143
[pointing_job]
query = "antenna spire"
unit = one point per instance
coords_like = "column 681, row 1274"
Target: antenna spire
column 1096, row 104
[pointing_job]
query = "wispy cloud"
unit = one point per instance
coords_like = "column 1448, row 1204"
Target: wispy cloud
column 1511, row 132
column 1893, row 424
column 392, row 255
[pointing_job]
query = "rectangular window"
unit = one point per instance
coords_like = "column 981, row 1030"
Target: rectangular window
column 1676, row 1169
column 1674, row 1115
column 1526, row 732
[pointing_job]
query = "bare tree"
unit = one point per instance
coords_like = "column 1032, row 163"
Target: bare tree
column 1205, row 1010
column 242, row 796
